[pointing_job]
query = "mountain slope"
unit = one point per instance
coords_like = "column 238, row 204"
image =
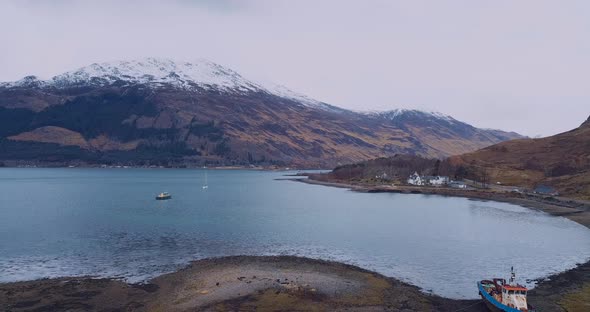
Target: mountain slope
column 562, row 160
column 157, row 111
column 442, row 132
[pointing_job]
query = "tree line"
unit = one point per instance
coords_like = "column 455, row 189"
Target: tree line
column 400, row 167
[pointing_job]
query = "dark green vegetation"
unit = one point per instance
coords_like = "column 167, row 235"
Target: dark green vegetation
column 398, row 168
column 14, row 121
column 143, row 155
column 106, row 113
column 90, row 115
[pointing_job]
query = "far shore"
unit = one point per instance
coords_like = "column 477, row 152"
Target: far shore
column 575, row 210
column 179, row 166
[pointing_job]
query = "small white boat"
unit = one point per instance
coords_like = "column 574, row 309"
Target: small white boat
column 163, row 196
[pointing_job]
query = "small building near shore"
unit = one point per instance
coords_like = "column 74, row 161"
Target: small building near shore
column 457, row 184
column 415, row 179
column 436, row 180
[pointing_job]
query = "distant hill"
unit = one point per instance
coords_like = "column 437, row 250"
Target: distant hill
column 561, row 161
column 162, row 112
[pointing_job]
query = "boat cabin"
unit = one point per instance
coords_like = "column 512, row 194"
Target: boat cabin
column 163, row 196
column 515, row 297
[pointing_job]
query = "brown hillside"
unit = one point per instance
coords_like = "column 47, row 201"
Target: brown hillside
column 562, row 161
column 162, row 112
column 51, row 134
column 167, row 124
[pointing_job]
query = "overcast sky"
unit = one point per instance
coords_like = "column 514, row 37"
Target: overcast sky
column 513, row 65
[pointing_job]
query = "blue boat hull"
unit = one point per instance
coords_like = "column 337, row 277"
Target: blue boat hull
column 493, row 304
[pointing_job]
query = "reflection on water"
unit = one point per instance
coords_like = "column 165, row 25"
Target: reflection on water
column 106, row 222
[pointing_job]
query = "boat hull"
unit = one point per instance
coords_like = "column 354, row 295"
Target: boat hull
column 163, row 198
column 493, row 304
column 491, row 307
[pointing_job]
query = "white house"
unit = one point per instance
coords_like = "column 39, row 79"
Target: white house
column 415, row 179
column 437, row 180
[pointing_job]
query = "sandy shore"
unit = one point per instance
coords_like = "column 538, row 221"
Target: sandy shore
column 244, row 283
column 282, row 283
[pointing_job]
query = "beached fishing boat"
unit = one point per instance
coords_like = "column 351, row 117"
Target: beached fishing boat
column 501, row 296
column 163, row 196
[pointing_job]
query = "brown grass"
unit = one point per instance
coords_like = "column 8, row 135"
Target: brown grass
column 578, row 301
column 562, row 161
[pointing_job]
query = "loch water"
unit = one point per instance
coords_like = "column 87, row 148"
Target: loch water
column 107, row 223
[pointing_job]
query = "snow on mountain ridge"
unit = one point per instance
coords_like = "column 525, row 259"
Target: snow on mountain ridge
column 399, row 112
column 200, row 73
column 161, row 71
column 154, row 70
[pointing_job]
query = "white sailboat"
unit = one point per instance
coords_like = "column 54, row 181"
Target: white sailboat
column 206, row 186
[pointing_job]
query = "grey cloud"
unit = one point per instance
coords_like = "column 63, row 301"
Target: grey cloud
column 519, row 66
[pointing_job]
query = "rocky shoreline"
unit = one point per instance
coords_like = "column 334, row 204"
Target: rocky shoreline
column 244, row 283
column 268, row 283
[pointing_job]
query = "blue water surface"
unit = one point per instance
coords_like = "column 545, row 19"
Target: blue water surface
column 106, row 222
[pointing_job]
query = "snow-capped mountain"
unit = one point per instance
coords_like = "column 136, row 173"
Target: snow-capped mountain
column 159, row 111
column 160, row 72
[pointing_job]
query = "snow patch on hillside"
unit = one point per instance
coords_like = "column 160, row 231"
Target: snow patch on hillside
column 402, row 112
